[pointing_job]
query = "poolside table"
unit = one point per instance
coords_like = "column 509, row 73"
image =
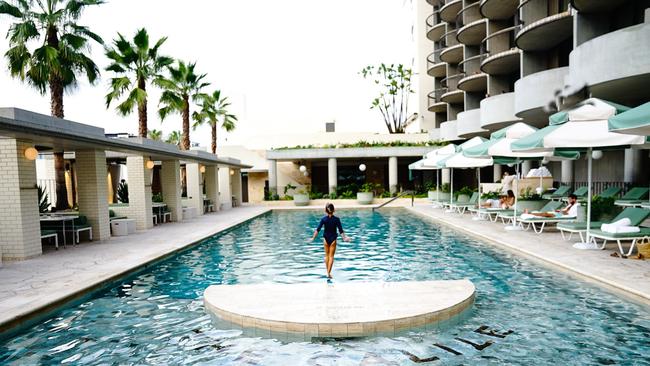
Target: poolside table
column 60, row 218
column 158, row 207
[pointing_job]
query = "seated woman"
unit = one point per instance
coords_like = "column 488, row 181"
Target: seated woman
column 509, row 201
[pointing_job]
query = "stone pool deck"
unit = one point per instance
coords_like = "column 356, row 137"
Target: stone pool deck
column 627, row 275
column 57, row 276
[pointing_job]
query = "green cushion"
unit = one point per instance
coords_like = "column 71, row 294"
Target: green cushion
column 81, row 220
column 610, row 192
column 635, row 214
column 47, row 232
column 582, row 191
column 551, row 206
column 636, row 193
column 645, row 231
column 560, row 192
column 117, row 218
column 579, row 225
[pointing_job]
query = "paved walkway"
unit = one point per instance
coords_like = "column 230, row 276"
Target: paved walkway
column 47, row 280
column 629, row 275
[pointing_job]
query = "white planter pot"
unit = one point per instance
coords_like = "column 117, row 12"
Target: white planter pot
column 301, row 200
column 365, row 198
column 442, row 196
column 462, row 198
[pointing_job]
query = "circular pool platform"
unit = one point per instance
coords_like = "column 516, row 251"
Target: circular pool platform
column 350, row 309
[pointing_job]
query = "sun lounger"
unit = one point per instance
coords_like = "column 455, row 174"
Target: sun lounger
column 557, row 194
column 578, row 227
column 491, row 213
column 528, row 222
column 634, row 197
column 456, row 202
column 461, row 207
column 644, row 232
column 610, row 192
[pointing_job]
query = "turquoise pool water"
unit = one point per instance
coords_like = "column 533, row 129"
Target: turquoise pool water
column 157, row 316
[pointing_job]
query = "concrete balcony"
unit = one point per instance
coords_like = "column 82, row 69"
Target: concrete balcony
column 535, row 91
column 498, row 9
column 473, row 33
column 498, row 111
column 545, row 33
column 434, row 134
column 502, row 56
column 435, row 103
column 449, row 11
column 613, row 65
column 435, row 66
column 596, row 6
column 448, row 131
column 452, row 94
column 469, row 124
column 474, row 79
column 435, row 2
column 453, row 54
column 435, row 27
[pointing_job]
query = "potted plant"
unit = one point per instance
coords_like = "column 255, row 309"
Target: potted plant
column 366, row 194
column 301, row 196
column 602, row 209
column 463, row 194
column 441, row 194
column 530, row 200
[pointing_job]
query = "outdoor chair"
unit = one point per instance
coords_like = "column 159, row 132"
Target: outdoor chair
column 610, row 192
column 461, row 207
column 543, row 221
column 80, row 224
column 635, row 215
column 492, row 214
column 45, row 234
column 557, row 194
column 456, row 201
column 166, row 216
column 633, row 197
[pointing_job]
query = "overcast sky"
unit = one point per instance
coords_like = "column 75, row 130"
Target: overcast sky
column 287, row 65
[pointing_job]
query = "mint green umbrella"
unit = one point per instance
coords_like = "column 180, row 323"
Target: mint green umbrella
column 635, row 121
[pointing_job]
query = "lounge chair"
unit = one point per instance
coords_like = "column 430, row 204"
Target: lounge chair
column 78, row 225
column 461, row 207
column 634, row 197
column 557, row 194
column 542, row 221
column 610, row 192
column 491, row 213
column 456, row 202
column 581, row 194
column 51, row 234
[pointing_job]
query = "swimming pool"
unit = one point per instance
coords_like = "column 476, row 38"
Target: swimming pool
column 157, row 316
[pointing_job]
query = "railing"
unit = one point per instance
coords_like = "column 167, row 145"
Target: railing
column 405, row 193
column 433, row 20
column 434, row 96
column 598, row 187
column 434, row 58
column 449, row 38
column 500, row 41
column 468, row 14
column 471, row 65
column 451, row 82
column 563, row 6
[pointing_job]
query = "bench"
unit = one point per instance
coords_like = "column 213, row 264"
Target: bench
column 51, row 234
column 81, row 224
column 122, row 227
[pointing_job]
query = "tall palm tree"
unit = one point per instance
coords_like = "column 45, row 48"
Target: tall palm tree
column 181, row 87
column 134, row 64
column 214, row 107
column 60, row 55
column 174, row 138
column 155, row 134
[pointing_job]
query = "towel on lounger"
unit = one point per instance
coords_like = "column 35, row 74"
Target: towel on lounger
column 609, row 227
column 621, row 229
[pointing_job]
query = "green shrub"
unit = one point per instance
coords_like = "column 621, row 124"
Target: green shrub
column 490, row 195
column 288, row 187
column 123, row 191
column 157, row 197
column 445, row 188
column 530, row 195
column 366, row 144
column 43, row 200
column 603, row 206
column 465, row 190
column 370, row 187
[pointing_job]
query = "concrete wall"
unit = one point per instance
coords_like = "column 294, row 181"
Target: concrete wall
column 498, row 111
column 536, row 90
column 424, row 84
column 469, row 123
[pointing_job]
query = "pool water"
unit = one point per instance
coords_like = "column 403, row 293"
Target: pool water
column 157, row 316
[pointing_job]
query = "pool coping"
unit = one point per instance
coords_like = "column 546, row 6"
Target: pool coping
column 33, row 315
column 613, row 286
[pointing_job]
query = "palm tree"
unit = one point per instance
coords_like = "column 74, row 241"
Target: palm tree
column 155, row 134
column 182, row 86
column 134, row 65
column 59, row 56
column 174, row 138
column 213, row 108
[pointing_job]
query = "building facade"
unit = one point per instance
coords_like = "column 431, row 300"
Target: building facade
column 485, row 64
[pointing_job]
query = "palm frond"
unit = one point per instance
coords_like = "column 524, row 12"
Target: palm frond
column 8, row 9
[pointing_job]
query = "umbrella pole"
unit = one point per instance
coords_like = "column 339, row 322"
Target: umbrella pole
column 588, row 244
column 478, row 216
column 451, row 194
column 514, row 226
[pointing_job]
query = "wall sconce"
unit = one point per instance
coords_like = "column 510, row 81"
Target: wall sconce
column 150, row 164
column 362, row 167
column 596, row 154
column 202, row 169
column 303, row 168
column 31, row 153
column 232, row 172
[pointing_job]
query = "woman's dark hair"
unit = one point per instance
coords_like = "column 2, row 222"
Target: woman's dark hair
column 329, row 208
column 511, row 193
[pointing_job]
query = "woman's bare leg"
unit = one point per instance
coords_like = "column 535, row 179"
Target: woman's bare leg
column 330, row 257
column 327, row 260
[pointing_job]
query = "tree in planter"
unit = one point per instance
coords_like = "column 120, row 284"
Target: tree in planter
column 394, row 82
column 123, row 192
column 288, row 187
column 182, row 87
column 60, row 56
column 135, row 64
column 370, row 187
column 463, row 191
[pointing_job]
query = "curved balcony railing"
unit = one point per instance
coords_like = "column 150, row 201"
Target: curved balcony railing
column 522, row 21
column 434, row 96
column 499, row 41
column 468, row 14
column 434, row 58
column 471, row 65
column 451, row 82
column 433, row 20
column 449, row 39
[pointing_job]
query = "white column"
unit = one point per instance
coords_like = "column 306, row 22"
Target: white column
column 445, row 177
column 392, row 174
column 20, row 233
column 496, row 173
column 332, row 175
column 212, row 185
column 632, row 167
column 567, row 171
column 139, row 180
column 225, row 194
column 92, row 190
column 194, row 187
column 170, row 177
column 273, row 177
column 236, row 185
column 525, row 168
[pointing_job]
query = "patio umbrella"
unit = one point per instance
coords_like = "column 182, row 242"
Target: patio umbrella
column 635, row 121
column 583, row 127
column 432, row 158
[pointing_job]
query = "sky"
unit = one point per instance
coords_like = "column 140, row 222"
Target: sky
column 288, row 66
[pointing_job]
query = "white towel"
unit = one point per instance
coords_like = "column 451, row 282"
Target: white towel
column 621, row 229
column 611, row 228
column 527, row 216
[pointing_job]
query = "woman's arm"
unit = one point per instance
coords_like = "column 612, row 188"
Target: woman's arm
column 320, row 225
column 340, row 227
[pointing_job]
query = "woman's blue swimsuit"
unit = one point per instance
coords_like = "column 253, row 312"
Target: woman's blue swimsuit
column 331, row 223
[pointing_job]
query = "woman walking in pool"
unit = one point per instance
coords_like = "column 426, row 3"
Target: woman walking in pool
column 331, row 224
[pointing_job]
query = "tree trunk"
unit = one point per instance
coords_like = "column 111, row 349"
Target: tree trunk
column 214, row 137
column 185, row 138
column 142, row 111
column 56, row 109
